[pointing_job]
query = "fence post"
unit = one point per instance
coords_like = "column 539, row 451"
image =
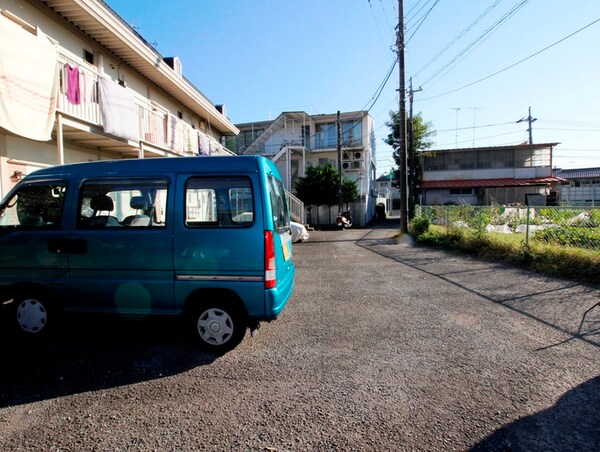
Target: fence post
column 527, row 228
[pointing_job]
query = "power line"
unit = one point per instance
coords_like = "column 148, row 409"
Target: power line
column 477, row 127
column 422, row 20
column 377, row 25
column 514, row 64
column 380, row 88
column 568, row 130
column 409, row 19
column 483, row 138
column 478, row 41
column 457, row 38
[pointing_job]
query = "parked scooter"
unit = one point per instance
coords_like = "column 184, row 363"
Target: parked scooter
column 344, row 220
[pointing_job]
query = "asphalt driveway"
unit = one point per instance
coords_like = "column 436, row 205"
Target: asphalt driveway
column 383, row 346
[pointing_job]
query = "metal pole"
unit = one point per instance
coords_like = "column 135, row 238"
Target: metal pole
column 339, row 149
column 403, row 182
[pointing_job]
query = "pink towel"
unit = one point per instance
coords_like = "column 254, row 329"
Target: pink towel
column 73, row 85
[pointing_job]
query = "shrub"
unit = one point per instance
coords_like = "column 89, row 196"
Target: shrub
column 419, row 226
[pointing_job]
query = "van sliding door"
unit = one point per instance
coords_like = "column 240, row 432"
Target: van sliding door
column 127, row 265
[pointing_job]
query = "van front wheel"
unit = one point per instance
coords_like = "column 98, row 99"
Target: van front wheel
column 218, row 327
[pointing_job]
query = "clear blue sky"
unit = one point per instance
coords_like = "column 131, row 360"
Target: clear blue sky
column 263, row 57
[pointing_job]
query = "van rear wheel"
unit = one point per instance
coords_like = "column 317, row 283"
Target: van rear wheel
column 218, row 327
column 31, row 315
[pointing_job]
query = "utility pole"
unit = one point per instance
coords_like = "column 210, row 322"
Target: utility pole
column 412, row 172
column 474, row 121
column 338, row 124
column 456, row 129
column 403, row 182
column 530, row 121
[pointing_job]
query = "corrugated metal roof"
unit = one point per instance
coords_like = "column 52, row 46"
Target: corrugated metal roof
column 471, row 183
column 580, row 173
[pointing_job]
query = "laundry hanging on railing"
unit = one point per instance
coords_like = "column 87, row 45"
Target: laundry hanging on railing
column 182, row 137
column 117, row 107
column 203, row 145
column 190, row 143
column 73, row 94
column 28, row 85
column 78, row 84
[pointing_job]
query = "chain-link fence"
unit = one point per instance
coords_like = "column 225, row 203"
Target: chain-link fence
column 560, row 226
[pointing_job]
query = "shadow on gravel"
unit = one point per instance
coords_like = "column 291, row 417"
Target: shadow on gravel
column 92, row 353
column 570, row 424
column 588, row 332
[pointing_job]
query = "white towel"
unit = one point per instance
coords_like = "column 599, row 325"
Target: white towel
column 117, row 106
column 28, row 82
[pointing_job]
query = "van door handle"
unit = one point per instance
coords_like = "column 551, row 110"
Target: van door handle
column 66, row 246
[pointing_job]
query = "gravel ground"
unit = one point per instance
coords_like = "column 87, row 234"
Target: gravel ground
column 383, row 346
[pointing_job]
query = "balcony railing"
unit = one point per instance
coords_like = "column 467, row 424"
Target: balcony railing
column 156, row 126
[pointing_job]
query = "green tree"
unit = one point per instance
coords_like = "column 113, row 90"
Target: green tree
column 419, row 140
column 349, row 191
column 320, row 186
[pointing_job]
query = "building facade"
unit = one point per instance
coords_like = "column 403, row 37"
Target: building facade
column 491, row 175
column 296, row 140
column 80, row 84
column 581, row 186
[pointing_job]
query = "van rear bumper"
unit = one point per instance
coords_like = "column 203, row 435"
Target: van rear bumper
column 276, row 299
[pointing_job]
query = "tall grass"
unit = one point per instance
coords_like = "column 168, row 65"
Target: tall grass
column 551, row 259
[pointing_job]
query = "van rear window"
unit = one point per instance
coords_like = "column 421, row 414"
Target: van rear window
column 281, row 213
column 219, row 202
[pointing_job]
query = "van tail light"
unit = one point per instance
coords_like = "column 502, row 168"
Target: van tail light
column 270, row 273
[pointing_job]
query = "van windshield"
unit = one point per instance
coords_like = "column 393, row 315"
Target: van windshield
column 34, row 206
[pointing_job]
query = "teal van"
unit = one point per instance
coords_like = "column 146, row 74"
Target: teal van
column 206, row 238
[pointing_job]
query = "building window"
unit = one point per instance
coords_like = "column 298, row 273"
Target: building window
column 326, row 134
column 352, row 133
column 527, row 158
column 88, row 56
column 495, row 159
column 461, row 191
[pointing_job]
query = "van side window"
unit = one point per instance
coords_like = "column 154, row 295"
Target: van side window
column 281, row 216
column 219, row 202
column 122, row 203
column 34, row 206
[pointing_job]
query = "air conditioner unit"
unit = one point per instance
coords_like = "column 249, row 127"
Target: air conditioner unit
column 358, row 164
column 346, row 165
column 357, row 155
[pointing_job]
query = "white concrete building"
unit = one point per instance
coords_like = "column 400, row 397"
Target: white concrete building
column 296, row 140
column 581, row 186
column 80, row 84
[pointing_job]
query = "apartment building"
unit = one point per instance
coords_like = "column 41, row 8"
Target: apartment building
column 489, row 175
column 77, row 83
column 296, row 140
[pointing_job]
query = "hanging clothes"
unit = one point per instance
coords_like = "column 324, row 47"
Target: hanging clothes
column 86, row 87
column 191, row 140
column 28, row 85
column 73, row 93
column 203, row 147
column 117, row 107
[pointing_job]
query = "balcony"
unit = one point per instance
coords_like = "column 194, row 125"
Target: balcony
column 159, row 132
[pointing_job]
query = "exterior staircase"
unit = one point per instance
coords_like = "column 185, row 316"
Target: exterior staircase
column 296, row 208
column 256, row 147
